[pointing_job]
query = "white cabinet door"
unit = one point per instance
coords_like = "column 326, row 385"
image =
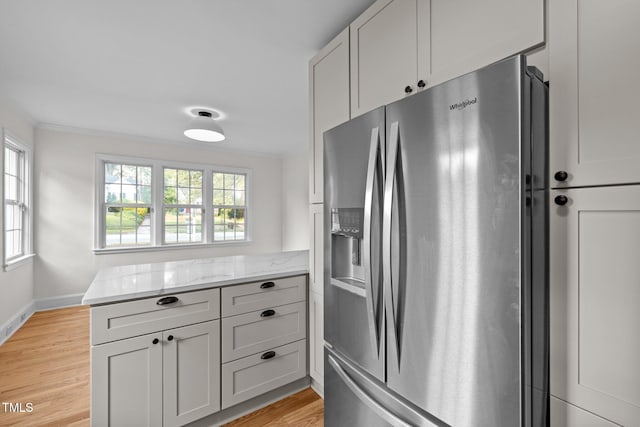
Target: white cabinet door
column 316, row 251
column 126, row 382
column 328, row 102
column 469, row 34
column 594, row 297
column 316, row 338
column 389, row 47
column 594, row 94
column 191, row 361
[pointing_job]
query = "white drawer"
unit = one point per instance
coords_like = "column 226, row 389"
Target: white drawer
column 129, row 319
column 255, row 296
column 261, row 330
column 251, row 376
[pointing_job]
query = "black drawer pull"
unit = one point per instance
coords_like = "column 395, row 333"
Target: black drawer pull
column 268, row 355
column 267, row 313
column 167, row 300
column 267, row 285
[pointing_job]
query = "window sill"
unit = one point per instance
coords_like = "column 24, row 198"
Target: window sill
column 131, row 249
column 15, row 263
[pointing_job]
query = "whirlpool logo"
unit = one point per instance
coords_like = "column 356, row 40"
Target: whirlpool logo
column 459, row 106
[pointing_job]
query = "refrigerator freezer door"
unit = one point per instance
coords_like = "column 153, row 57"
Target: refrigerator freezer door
column 455, row 265
column 357, row 400
column 354, row 157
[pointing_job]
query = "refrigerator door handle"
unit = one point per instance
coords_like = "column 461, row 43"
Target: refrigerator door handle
column 369, row 264
column 376, row 407
column 389, row 188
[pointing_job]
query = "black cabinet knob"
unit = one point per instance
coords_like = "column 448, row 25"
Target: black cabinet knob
column 421, row 84
column 561, row 200
column 267, row 285
column 268, row 355
column 155, row 341
column 408, row 89
column 267, row 313
column 561, row 176
column 170, row 337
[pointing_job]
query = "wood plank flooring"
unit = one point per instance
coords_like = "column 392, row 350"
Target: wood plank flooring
column 46, row 363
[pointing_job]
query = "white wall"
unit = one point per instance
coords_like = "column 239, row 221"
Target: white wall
column 16, row 286
column 64, row 191
column 295, row 202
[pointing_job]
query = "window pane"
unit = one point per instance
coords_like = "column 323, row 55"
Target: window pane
column 144, row 194
column 240, row 182
column 218, row 197
column 112, row 173
column 239, row 231
column 196, row 196
column 10, row 187
column 183, row 196
column 196, row 179
column 239, row 198
column 128, row 193
column 228, row 197
column 229, row 181
column 170, row 196
column 218, row 181
column 170, row 177
column 144, row 175
column 129, row 173
column 170, row 234
column 171, row 216
column 218, row 232
column 183, row 178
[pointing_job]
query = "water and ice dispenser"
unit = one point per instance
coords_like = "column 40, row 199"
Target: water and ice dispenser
column 346, row 244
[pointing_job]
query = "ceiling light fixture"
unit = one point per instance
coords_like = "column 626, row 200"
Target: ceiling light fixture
column 204, row 128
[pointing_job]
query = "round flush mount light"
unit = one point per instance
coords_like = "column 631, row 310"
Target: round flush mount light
column 204, row 128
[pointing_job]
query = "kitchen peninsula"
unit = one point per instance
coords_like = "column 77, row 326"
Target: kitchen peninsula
column 203, row 339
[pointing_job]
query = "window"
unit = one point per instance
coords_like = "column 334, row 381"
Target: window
column 182, row 206
column 145, row 203
column 127, row 208
column 17, row 206
column 229, row 207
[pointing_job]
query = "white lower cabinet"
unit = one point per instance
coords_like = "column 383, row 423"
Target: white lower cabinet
column 169, row 378
column 159, row 361
column 594, row 297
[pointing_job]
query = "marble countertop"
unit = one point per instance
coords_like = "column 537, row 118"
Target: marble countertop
column 115, row 284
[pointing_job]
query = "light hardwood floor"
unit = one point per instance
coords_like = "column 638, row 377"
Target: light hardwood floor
column 46, row 363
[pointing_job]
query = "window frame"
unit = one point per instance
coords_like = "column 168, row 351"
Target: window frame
column 24, row 200
column 157, row 204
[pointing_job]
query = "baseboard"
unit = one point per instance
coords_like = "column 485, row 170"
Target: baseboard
column 40, row 304
column 51, row 303
column 318, row 387
column 14, row 323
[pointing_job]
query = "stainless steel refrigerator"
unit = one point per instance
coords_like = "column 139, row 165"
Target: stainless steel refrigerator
column 435, row 242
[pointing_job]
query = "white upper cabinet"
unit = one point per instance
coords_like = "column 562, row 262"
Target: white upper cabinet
column 594, row 295
column 594, row 109
column 399, row 47
column 469, row 34
column 329, row 102
column 386, row 52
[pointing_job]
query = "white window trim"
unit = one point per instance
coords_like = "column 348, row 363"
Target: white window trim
column 157, row 198
column 10, row 139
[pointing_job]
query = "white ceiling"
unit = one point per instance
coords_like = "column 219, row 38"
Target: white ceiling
column 135, row 66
